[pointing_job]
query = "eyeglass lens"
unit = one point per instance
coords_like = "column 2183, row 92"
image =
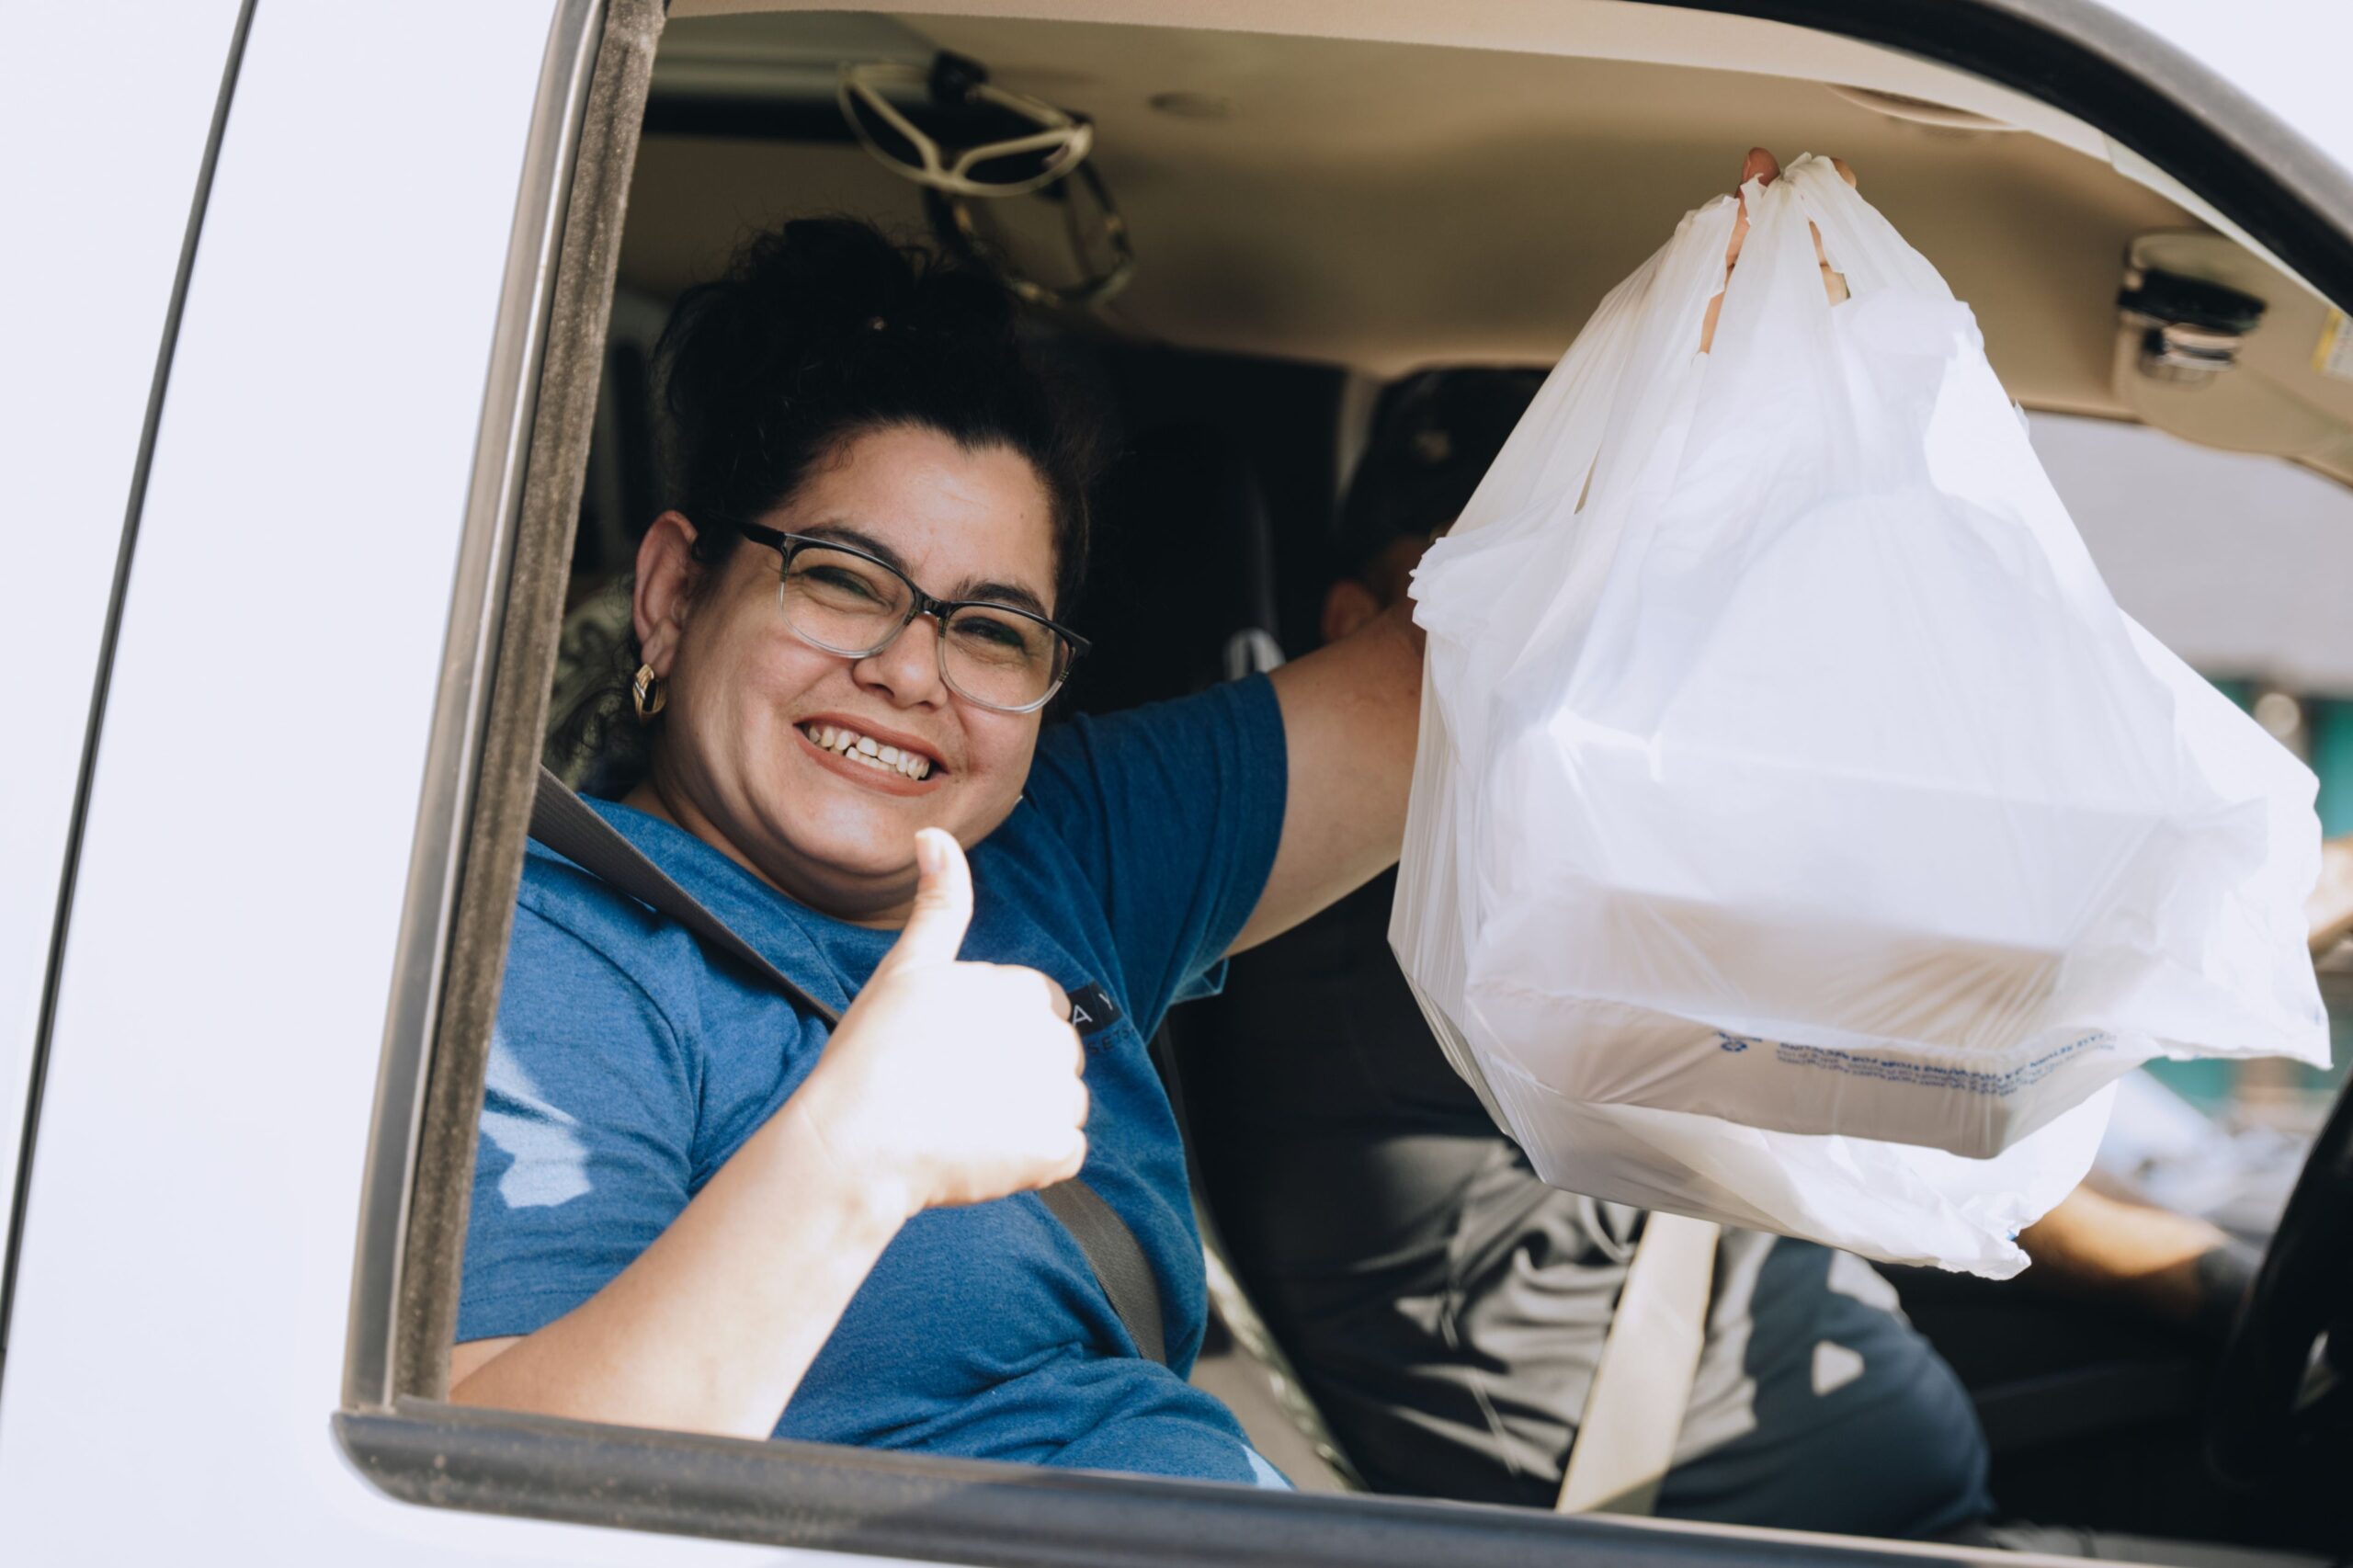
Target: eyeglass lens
column 846, row 604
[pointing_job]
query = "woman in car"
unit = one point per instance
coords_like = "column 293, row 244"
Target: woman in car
column 695, row 1206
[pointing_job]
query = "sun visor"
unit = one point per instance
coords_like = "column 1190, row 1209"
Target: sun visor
column 2277, row 378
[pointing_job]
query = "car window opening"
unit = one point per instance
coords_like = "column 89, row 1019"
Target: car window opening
column 1296, row 351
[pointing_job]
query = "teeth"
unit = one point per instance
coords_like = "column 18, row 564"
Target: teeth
column 865, row 749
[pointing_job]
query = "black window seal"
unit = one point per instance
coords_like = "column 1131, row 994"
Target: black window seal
column 102, row 682
column 818, row 1497
column 394, row 1424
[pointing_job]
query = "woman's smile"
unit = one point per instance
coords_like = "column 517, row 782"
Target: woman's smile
column 875, row 758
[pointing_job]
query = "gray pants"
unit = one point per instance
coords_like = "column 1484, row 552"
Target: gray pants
column 1459, row 1369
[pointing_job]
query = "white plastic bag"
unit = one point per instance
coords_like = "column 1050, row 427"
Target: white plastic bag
column 1801, row 836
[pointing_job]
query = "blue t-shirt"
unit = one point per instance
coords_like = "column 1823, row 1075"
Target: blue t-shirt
column 627, row 1067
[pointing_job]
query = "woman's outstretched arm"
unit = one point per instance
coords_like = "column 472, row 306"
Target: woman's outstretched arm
column 712, row 1326
column 1352, row 710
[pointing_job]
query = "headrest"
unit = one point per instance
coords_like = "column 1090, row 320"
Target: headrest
column 1434, row 436
column 1183, row 586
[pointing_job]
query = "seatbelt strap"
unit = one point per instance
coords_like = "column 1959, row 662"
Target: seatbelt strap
column 1641, row 1385
column 570, row 826
column 1119, row 1263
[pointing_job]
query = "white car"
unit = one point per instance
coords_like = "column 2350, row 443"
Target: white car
column 308, row 307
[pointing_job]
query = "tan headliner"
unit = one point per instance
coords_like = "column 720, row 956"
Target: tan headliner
column 1382, row 205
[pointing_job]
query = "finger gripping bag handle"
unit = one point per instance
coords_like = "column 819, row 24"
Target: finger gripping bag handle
column 1859, row 243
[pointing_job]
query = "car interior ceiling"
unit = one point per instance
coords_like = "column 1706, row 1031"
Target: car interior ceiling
column 1314, row 218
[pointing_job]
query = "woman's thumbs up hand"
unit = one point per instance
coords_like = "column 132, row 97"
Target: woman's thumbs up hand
column 948, row 1082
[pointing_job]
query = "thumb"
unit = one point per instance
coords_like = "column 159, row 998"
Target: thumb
column 943, row 904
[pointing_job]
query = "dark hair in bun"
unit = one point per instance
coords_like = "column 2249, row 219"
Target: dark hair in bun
column 823, row 330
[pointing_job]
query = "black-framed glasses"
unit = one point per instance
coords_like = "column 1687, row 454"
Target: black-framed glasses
column 838, row 598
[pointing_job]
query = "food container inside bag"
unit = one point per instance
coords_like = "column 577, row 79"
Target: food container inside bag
column 1796, row 775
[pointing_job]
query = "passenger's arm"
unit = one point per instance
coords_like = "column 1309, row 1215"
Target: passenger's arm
column 1350, row 712
column 2174, row 1267
column 946, row 1083
column 2178, row 1269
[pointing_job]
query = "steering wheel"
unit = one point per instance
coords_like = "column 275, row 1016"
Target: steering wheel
column 2285, row 1384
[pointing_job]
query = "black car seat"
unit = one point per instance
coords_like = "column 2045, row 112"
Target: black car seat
column 1183, row 585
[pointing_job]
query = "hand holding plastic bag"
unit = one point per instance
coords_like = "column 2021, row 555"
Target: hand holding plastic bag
column 1801, row 836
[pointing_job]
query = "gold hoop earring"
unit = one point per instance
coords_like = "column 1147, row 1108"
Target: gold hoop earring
column 646, row 694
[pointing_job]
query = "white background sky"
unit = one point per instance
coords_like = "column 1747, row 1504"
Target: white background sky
column 2262, row 597
column 2293, row 56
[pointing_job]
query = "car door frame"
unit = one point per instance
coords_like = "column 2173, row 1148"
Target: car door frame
column 396, row 1424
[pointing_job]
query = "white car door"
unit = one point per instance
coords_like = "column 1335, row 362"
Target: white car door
column 96, row 204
